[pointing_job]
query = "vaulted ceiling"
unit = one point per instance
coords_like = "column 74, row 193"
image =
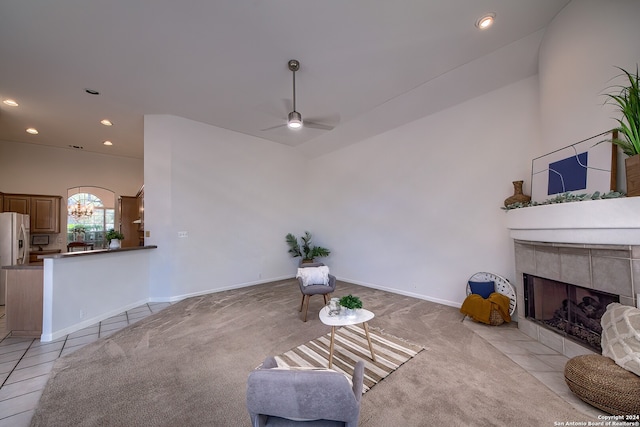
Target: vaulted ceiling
column 366, row 67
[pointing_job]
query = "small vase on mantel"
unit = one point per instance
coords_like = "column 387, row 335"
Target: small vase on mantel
column 518, row 196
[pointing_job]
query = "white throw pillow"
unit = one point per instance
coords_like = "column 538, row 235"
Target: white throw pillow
column 621, row 336
column 314, row 275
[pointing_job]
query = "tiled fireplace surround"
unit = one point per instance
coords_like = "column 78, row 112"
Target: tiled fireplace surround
column 594, row 244
column 608, row 268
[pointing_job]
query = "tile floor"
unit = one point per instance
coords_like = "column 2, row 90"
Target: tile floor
column 25, row 364
column 542, row 362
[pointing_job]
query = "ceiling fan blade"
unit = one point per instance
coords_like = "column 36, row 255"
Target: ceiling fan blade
column 277, row 110
column 273, row 127
column 316, row 125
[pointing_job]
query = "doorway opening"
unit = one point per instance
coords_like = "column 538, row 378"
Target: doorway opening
column 90, row 213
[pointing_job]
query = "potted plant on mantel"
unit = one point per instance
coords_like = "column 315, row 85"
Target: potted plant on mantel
column 305, row 250
column 627, row 102
column 114, row 238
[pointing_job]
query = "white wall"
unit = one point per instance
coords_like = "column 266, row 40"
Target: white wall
column 82, row 290
column 417, row 210
column 576, row 64
column 236, row 197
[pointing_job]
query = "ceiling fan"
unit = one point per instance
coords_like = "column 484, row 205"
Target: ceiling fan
column 294, row 118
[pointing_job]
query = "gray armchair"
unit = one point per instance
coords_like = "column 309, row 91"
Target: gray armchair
column 283, row 397
column 308, row 291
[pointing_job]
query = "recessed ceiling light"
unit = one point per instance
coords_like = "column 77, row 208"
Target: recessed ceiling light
column 10, row 102
column 92, row 92
column 106, row 122
column 32, row 131
column 486, row 21
column 107, row 143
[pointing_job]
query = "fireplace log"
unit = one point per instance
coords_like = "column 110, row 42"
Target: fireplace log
column 584, row 314
column 584, row 317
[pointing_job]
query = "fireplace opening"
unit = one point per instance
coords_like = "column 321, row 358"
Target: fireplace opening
column 570, row 310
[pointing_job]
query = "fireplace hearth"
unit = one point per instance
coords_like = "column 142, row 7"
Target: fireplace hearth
column 571, row 311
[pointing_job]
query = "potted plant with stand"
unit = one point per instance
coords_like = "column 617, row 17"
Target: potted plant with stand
column 114, row 238
column 305, row 250
column 627, row 102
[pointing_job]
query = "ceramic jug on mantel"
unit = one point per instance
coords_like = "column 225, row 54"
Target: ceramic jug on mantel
column 518, row 195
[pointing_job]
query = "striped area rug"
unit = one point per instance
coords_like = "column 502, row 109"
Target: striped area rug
column 350, row 346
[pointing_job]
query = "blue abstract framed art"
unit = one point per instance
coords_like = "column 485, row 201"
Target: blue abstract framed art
column 584, row 167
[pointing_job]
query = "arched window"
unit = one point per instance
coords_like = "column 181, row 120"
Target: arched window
column 90, row 213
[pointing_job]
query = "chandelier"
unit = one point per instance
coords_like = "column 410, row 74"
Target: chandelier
column 79, row 211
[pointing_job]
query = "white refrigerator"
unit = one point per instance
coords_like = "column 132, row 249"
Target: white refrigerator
column 14, row 244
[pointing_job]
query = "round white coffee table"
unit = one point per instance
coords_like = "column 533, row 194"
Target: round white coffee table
column 362, row 316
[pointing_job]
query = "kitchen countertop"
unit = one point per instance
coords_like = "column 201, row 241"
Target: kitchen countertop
column 35, row 266
column 38, row 265
column 44, row 251
column 36, row 254
column 97, row 252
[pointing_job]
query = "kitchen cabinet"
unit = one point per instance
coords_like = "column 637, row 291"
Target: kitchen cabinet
column 129, row 213
column 45, row 214
column 43, row 211
column 140, row 197
column 24, row 301
column 17, row 203
column 1, row 202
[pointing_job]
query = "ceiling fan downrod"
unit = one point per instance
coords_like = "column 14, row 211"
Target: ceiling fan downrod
column 294, row 120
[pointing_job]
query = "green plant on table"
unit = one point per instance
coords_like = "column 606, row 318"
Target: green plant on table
column 113, row 234
column 350, row 301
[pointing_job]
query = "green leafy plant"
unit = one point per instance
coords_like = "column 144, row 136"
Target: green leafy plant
column 305, row 249
column 567, row 198
column 349, row 301
column 627, row 102
column 87, row 228
column 113, row 234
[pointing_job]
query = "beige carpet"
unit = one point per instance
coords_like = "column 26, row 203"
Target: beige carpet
column 188, row 364
column 350, row 345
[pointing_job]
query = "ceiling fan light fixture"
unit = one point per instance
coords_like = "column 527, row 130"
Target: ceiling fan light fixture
column 295, row 120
